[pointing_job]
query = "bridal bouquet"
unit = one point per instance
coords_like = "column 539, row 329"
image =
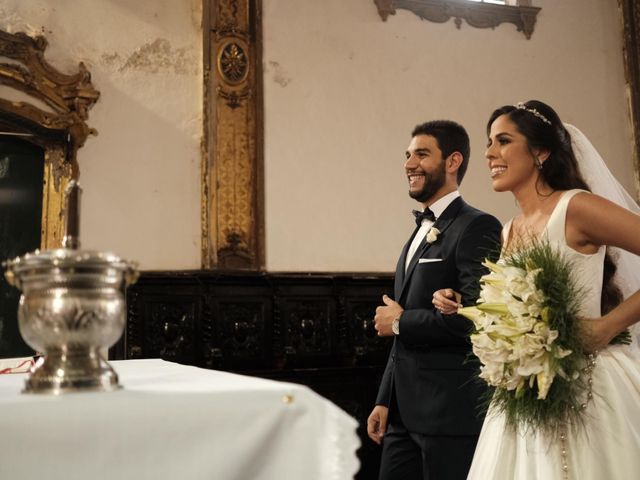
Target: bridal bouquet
column 527, row 338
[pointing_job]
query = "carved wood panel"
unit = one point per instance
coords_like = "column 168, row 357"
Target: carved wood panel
column 367, row 345
column 170, row 333
column 309, row 325
column 255, row 321
column 242, row 332
column 479, row 15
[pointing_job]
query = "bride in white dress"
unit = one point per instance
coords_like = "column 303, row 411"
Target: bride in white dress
column 549, row 168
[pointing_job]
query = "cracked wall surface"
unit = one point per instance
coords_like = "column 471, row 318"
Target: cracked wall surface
column 154, row 57
column 141, row 174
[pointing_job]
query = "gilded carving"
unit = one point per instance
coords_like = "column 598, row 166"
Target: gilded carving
column 234, row 99
column 479, row 15
column 631, row 23
column 233, row 62
column 231, row 173
column 58, row 172
column 233, row 12
column 61, row 130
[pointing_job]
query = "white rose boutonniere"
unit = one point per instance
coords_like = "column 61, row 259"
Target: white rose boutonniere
column 432, row 235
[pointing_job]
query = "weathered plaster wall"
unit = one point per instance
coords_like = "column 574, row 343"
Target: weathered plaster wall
column 141, row 174
column 344, row 89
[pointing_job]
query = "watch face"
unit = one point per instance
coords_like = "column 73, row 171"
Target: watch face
column 395, row 327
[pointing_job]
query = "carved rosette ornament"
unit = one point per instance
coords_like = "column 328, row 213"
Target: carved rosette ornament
column 232, row 227
column 233, row 67
column 479, row 15
column 233, row 61
column 60, row 128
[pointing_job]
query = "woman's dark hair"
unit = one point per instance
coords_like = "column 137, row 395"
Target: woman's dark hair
column 560, row 171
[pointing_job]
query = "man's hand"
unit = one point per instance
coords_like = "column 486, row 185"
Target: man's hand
column 385, row 315
column 377, row 423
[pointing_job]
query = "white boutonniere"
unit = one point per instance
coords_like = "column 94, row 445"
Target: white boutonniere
column 432, row 235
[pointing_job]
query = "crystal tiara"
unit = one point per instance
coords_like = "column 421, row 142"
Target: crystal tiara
column 533, row 111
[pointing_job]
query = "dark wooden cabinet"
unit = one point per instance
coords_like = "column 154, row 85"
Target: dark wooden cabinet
column 314, row 329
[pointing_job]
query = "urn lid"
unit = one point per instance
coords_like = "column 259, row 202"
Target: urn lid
column 69, row 261
column 67, row 257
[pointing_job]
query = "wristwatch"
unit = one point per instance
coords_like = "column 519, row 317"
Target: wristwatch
column 395, row 325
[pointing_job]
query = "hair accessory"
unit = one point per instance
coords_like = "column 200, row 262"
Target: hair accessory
column 533, row 111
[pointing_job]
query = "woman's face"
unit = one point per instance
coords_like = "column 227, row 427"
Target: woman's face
column 511, row 163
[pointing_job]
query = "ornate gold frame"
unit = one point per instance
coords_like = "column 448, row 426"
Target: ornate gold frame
column 479, row 15
column 60, row 131
column 232, row 165
column 631, row 32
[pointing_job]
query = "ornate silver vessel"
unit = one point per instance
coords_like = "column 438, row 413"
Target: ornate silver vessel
column 72, row 307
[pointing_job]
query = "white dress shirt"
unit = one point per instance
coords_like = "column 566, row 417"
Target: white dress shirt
column 437, row 208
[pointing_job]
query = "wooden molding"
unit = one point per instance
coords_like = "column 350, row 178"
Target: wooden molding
column 479, row 15
column 232, row 198
column 631, row 32
column 60, row 130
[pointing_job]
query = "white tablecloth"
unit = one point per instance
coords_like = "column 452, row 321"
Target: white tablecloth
column 174, row 421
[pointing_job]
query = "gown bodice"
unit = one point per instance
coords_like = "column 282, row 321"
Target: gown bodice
column 587, row 269
column 606, row 446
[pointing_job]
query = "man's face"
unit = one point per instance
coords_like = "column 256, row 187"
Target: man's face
column 425, row 167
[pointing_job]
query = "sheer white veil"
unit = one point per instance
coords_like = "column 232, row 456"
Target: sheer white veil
column 602, row 182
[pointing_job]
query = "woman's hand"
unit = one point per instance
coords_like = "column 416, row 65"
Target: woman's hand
column 597, row 333
column 447, row 301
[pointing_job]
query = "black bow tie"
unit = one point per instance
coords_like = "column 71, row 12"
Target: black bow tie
column 427, row 214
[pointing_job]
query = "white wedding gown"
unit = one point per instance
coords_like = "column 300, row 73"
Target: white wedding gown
column 608, row 446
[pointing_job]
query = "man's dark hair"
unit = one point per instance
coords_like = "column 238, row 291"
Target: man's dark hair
column 451, row 137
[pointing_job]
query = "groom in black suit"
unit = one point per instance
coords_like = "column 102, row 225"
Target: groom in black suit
column 426, row 414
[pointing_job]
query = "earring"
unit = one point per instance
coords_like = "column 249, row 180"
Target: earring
column 538, row 164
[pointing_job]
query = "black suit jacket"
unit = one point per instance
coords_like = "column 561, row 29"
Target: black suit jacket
column 428, row 370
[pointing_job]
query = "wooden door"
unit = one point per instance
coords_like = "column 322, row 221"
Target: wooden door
column 21, row 191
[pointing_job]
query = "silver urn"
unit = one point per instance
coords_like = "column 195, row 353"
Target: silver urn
column 72, row 308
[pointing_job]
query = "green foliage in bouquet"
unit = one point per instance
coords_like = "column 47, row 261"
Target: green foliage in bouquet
column 528, row 338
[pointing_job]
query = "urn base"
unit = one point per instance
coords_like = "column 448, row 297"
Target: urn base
column 71, row 370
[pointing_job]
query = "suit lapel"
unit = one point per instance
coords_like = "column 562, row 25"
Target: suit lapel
column 400, row 273
column 442, row 223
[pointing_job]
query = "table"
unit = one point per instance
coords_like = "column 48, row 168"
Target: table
column 175, row 421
